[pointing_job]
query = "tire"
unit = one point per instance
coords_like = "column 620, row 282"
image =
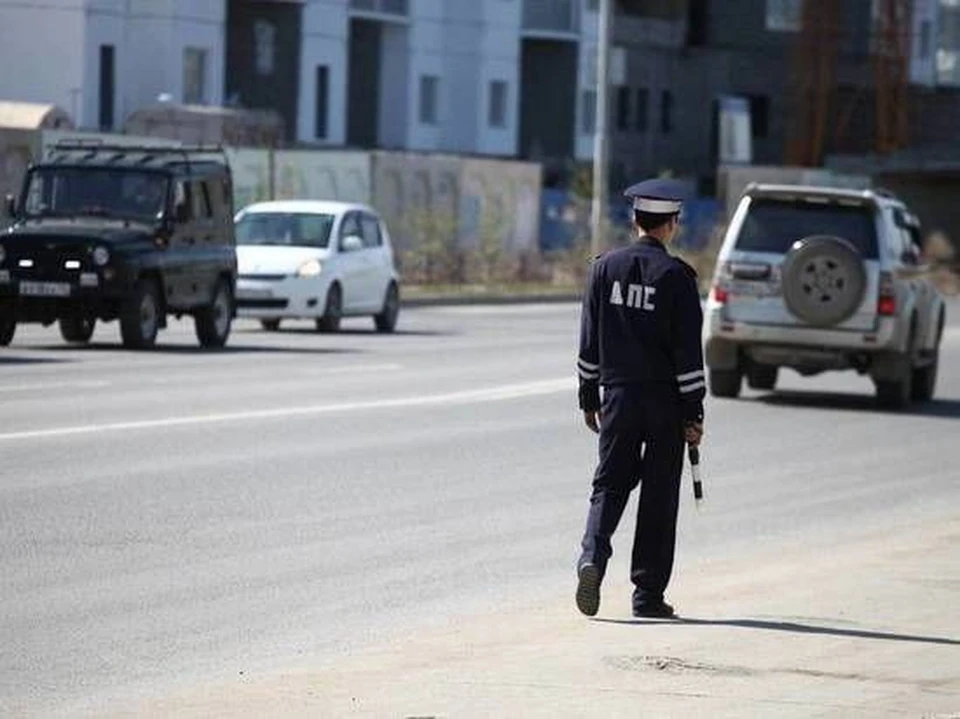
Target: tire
column 332, row 312
column 386, row 320
column 270, row 325
column 8, row 328
column 725, row 383
column 895, row 394
column 762, row 376
column 924, row 381
column 925, row 377
column 77, row 329
column 824, row 280
column 213, row 322
column 140, row 316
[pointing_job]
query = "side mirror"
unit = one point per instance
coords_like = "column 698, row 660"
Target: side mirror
column 351, row 243
column 10, row 206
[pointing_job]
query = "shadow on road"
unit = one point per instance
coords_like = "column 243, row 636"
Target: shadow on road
column 858, row 403
column 793, row 627
column 348, row 331
column 7, row 359
column 195, row 349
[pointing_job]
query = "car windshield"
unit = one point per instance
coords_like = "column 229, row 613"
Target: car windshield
column 96, row 192
column 294, row 229
column 774, row 225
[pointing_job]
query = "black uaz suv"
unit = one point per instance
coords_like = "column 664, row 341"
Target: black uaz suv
column 104, row 232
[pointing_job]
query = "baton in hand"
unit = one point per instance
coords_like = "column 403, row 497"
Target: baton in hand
column 694, row 454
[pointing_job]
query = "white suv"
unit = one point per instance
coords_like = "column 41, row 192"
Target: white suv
column 818, row 279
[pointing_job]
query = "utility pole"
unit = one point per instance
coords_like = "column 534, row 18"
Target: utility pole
column 600, row 138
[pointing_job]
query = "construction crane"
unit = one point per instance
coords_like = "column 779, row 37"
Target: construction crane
column 817, row 100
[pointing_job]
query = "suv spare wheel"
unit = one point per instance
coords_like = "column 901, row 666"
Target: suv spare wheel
column 824, row 280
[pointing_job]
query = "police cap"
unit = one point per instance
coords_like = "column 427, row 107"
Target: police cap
column 658, row 196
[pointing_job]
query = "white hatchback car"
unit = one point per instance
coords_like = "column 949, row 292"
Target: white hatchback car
column 319, row 260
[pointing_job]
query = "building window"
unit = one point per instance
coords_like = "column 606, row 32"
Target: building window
column 497, row 116
column 194, row 75
column 784, row 15
column 322, row 89
column 643, row 103
column 265, row 47
column 666, row 112
column 107, row 85
column 925, row 39
column 623, row 108
column 428, row 99
column 759, row 116
column 588, row 115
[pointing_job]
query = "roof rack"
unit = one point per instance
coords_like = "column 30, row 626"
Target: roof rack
column 95, row 146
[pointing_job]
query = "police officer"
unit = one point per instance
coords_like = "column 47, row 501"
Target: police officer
column 640, row 341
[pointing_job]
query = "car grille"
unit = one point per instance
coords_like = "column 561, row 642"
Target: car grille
column 263, row 277
column 265, row 304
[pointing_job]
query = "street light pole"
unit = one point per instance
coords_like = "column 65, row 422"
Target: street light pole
column 598, row 210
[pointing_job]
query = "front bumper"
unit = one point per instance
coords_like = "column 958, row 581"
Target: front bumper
column 281, row 296
column 30, row 299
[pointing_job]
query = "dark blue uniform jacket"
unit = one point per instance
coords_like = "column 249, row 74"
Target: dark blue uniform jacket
column 641, row 324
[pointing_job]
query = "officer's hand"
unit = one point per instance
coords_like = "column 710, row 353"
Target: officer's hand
column 693, row 433
column 592, row 420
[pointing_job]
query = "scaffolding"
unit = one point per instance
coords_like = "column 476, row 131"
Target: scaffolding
column 816, row 91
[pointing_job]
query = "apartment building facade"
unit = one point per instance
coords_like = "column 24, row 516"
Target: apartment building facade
column 489, row 77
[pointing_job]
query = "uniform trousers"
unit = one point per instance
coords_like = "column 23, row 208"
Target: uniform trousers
column 641, row 442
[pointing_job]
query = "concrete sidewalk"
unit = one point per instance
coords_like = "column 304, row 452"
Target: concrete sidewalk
column 866, row 627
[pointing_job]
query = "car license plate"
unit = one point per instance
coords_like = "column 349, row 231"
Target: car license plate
column 755, row 290
column 45, row 289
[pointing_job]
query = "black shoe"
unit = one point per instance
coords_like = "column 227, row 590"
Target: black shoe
column 654, row 609
column 588, row 589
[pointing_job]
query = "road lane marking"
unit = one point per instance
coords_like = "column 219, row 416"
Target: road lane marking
column 477, row 396
column 92, row 384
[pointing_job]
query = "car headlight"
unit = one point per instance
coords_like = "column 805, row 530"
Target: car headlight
column 310, row 268
column 101, row 256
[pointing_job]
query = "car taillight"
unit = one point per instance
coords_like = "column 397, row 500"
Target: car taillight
column 720, row 294
column 887, row 301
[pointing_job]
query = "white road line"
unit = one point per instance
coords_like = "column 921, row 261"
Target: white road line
column 491, row 394
column 92, row 384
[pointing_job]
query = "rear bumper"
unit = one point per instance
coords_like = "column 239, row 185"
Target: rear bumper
column 727, row 343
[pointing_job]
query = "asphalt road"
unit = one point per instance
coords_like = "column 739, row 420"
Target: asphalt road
column 174, row 517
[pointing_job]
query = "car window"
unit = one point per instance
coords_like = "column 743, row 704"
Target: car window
column 350, row 226
column 371, row 231
column 295, row 229
column 774, row 225
column 200, row 197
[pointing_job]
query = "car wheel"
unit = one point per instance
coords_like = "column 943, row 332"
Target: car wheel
column 762, row 376
column 8, row 327
column 213, row 321
column 333, row 312
column 725, row 383
column 824, row 280
column 270, row 325
column 386, row 320
column 140, row 316
column 77, row 329
column 894, row 394
column 925, row 376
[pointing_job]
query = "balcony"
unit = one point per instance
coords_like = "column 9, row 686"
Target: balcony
column 389, row 9
column 551, row 18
